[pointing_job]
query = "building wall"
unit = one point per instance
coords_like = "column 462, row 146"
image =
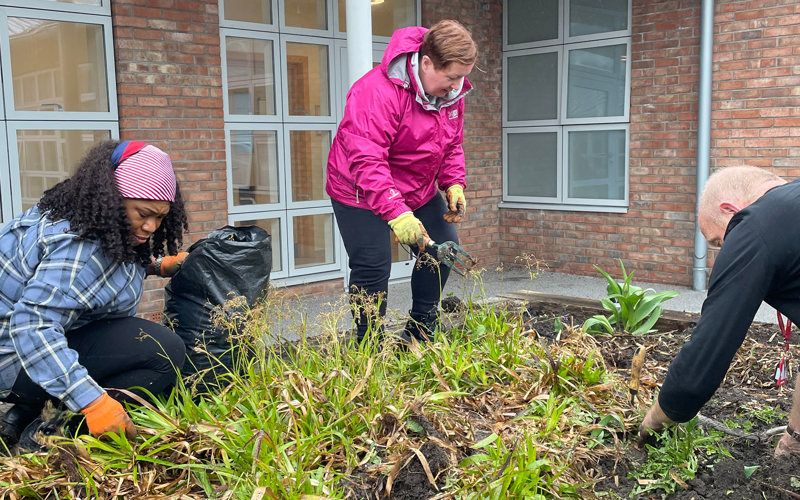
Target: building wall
column 754, row 122
column 483, row 140
column 169, row 85
column 170, row 93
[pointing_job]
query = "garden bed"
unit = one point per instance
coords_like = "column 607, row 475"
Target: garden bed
column 747, row 400
column 515, row 401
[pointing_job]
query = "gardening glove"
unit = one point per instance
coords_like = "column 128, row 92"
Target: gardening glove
column 105, row 414
column 455, row 198
column 168, row 265
column 409, row 230
column 456, row 202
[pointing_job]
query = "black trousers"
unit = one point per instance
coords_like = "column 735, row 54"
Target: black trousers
column 366, row 239
column 118, row 354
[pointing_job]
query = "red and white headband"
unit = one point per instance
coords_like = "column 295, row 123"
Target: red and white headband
column 143, row 172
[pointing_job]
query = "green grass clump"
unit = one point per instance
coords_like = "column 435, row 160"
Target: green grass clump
column 513, row 416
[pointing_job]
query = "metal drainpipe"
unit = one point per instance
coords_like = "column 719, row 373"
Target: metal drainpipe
column 359, row 39
column 703, row 134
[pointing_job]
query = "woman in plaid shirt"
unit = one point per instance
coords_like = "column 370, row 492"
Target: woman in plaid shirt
column 71, row 274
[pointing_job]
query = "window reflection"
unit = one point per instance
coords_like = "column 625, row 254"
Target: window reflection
column 310, row 14
column 248, row 11
column 313, row 240
column 309, row 157
column 57, row 66
column 254, row 167
column 251, row 76
column 597, row 82
column 308, row 79
column 47, row 157
column 597, row 164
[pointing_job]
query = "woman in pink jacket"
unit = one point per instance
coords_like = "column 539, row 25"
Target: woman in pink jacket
column 397, row 146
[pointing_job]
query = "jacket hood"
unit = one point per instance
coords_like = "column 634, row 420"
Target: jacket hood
column 395, row 65
column 403, row 42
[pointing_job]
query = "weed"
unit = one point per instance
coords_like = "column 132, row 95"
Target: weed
column 676, row 457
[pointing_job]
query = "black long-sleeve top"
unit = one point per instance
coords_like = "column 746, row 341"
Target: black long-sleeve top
column 759, row 261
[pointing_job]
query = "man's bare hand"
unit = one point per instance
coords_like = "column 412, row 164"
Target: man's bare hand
column 787, row 446
column 653, row 422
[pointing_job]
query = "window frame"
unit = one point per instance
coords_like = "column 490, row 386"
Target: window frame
column 563, row 45
column 247, row 25
column 559, row 87
column 559, row 165
column 5, row 63
column 563, row 92
column 335, row 244
column 11, row 128
column 278, row 117
column 287, row 152
column 332, row 99
column 103, row 9
column 279, row 139
column 594, row 202
column 294, row 30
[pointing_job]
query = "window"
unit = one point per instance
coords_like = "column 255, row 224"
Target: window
column 283, row 99
column 566, row 104
column 56, row 60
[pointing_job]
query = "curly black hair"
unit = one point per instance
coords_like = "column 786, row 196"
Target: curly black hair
column 94, row 207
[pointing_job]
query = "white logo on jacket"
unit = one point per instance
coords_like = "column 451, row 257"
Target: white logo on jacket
column 393, row 193
column 452, row 114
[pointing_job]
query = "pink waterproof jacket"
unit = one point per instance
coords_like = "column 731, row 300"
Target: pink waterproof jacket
column 393, row 148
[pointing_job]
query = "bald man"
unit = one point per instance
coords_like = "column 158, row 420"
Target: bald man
column 751, row 214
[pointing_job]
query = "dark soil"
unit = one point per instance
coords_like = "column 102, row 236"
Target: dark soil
column 748, row 387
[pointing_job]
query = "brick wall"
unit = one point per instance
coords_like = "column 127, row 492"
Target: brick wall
column 482, row 123
column 754, row 121
column 169, row 89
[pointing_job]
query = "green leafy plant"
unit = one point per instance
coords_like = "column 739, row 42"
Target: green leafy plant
column 633, row 309
column 676, row 458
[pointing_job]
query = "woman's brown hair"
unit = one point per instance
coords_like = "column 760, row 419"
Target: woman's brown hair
column 449, row 42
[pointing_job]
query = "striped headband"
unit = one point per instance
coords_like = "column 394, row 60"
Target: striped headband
column 143, row 172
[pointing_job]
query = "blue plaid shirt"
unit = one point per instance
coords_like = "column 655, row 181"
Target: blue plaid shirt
column 50, row 284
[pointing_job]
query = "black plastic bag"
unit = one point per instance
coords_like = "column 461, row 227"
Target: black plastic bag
column 223, row 276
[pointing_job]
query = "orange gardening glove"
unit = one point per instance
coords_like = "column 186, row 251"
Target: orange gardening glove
column 105, row 414
column 168, row 265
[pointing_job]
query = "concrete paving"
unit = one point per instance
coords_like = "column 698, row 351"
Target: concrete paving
column 318, row 314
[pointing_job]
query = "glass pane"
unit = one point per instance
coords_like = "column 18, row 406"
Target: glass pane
column 313, row 240
column 532, row 164
column 597, row 164
column 309, row 150
column 307, row 74
column 387, row 16
column 47, row 157
column 400, row 252
column 532, row 20
column 310, row 14
column 596, row 84
column 587, row 17
column 526, row 73
column 273, row 227
column 251, row 76
column 249, row 11
column 254, row 167
column 57, row 66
